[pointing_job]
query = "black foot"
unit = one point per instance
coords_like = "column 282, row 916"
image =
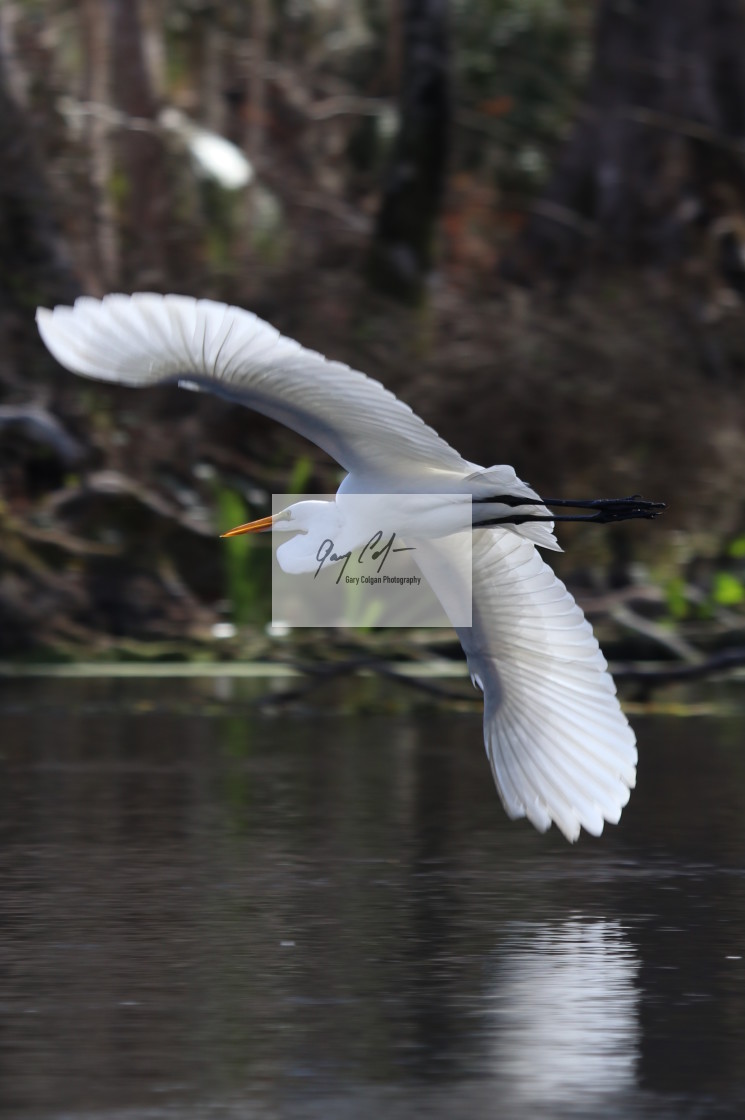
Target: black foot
column 610, row 509
column 605, row 510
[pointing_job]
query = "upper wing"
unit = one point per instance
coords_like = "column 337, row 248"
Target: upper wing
column 147, row 339
column 559, row 745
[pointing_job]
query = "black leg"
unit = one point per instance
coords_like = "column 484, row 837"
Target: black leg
column 606, row 510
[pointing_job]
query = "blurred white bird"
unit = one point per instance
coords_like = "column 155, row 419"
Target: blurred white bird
column 213, row 155
column 558, row 743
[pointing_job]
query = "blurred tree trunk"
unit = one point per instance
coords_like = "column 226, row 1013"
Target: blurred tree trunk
column 141, row 163
column 653, row 172
column 401, row 253
column 104, row 241
column 35, row 268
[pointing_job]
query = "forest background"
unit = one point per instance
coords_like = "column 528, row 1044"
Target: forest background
column 526, row 217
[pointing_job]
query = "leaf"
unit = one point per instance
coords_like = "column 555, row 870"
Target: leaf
column 241, row 567
column 300, row 476
column 677, row 600
column 728, row 590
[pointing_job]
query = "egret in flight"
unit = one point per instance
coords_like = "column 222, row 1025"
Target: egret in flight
column 559, row 746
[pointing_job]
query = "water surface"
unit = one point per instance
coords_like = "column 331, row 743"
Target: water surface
column 208, row 909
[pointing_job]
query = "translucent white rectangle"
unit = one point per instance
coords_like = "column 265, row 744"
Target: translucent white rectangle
column 364, row 560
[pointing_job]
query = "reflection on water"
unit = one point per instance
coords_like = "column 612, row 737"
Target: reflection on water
column 568, row 993
column 211, row 910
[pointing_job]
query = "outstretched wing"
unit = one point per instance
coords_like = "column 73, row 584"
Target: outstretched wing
column 147, row 339
column 559, row 745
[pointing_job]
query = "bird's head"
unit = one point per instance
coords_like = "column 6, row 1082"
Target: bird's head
column 312, row 522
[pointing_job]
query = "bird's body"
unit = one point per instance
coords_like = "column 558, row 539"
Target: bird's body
column 559, row 745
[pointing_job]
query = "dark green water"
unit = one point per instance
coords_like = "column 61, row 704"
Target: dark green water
column 209, row 911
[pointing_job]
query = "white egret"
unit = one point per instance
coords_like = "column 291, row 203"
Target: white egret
column 213, row 155
column 559, row 746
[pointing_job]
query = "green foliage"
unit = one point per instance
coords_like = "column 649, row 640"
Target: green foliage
column 727, row 590
column 677, row 599
column 300, row 475
column 246, row 558
column 244, row 565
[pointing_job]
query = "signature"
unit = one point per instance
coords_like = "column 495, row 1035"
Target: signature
column 326, row 552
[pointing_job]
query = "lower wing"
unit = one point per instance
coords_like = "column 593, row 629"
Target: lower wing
column 559, row 745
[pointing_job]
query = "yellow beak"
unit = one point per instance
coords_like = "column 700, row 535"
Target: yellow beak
column 252, row 526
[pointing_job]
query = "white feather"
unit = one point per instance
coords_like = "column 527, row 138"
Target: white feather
column 148, row 339
column 559, row 745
